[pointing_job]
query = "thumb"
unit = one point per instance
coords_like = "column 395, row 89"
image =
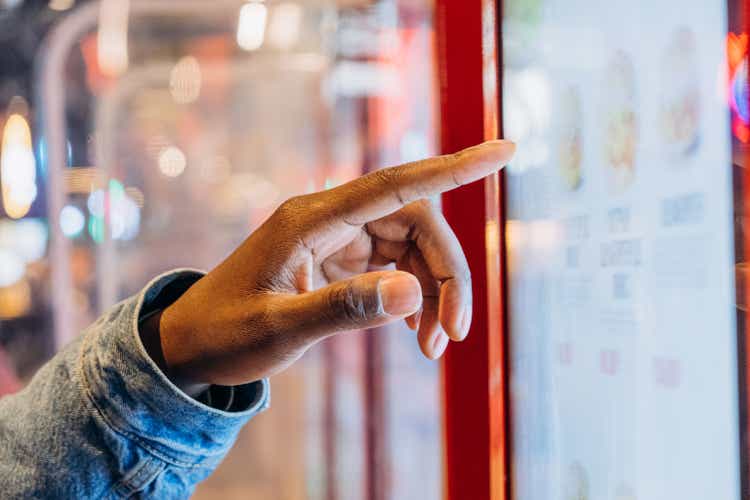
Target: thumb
column 364, row 301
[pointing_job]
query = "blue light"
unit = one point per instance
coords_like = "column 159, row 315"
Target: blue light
column 740, row 94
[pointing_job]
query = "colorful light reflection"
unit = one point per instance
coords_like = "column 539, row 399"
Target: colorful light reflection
column 123, row 211
column 738, row 95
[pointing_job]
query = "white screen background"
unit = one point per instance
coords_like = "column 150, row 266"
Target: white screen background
column 623, row 341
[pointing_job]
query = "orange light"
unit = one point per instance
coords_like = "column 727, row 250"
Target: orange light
column 17, row 167
column 736, row 49
column 15, row 300
column 741, row 131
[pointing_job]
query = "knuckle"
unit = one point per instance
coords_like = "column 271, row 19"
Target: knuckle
column 295, row 214
column 455, row 156
column 351, row 306
column 308, row 205
column 348, row 304
column 424, row 206
column 391, row 179
column 292, row 206
column 298, row 218
column 447, row 162
column 383, row 177
column 424, row 219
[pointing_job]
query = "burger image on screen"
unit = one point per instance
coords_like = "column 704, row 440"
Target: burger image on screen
column 620, row 122
column 569, row 148
column 680, row 97
column 576, row 483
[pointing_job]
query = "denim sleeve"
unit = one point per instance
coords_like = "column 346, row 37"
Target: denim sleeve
column 100, row 420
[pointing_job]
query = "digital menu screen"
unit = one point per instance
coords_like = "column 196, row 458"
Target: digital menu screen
column 623, row 353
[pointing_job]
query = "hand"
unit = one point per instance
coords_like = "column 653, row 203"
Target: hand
column 303, row 275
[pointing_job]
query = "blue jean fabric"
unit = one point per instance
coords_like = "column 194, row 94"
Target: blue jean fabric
column 100, row 420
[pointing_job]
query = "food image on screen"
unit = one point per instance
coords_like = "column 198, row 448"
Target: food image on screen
column 570, row 144
column 680, row 94
column 576, row 483
column 621, row 127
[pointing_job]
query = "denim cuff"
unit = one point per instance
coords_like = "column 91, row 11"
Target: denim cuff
column 138, row 401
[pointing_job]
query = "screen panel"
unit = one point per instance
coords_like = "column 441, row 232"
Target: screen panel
column 623, row 354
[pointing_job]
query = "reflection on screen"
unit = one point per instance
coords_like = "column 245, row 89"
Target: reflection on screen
column 623, row 368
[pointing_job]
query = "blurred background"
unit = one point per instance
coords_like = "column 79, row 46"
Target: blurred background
column 139, row 136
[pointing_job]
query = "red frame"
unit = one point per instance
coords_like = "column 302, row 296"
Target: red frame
column 474, row 375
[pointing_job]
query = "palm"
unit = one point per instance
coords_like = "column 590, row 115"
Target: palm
column 351, row 259
column 374, row 245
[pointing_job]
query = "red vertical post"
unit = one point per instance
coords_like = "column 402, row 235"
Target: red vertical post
column 739, row 24
column 473, row 371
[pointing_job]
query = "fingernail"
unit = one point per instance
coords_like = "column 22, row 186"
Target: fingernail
column 500, row 142
column 400, row 294
column 497, row 151
column 441, row 342
column 465, row 323
column 507, row 147
column 413, row 320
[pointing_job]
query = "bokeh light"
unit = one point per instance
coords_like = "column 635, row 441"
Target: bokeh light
column 185, row 80
column 17, row 167
column 96, row 228
column 251, row 28
column 12, row 267
column 125, row 216
column 28, row 238
column 123, row 210
column 72, row 221
column 112, row 39
column 172, row 161
column 61, row 5
column 95, row 203
column 15, row 300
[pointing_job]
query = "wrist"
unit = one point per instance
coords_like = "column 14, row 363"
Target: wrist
column 154, row 334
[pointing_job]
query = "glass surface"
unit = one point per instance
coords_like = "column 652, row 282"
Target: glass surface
column 620, row 240
column 152, row 134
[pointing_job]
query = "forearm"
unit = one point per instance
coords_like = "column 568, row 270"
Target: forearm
column 102, row 420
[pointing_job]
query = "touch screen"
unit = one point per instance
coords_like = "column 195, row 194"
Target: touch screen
column 621, row 296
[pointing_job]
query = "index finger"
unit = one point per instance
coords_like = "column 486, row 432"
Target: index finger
column 382, row 192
